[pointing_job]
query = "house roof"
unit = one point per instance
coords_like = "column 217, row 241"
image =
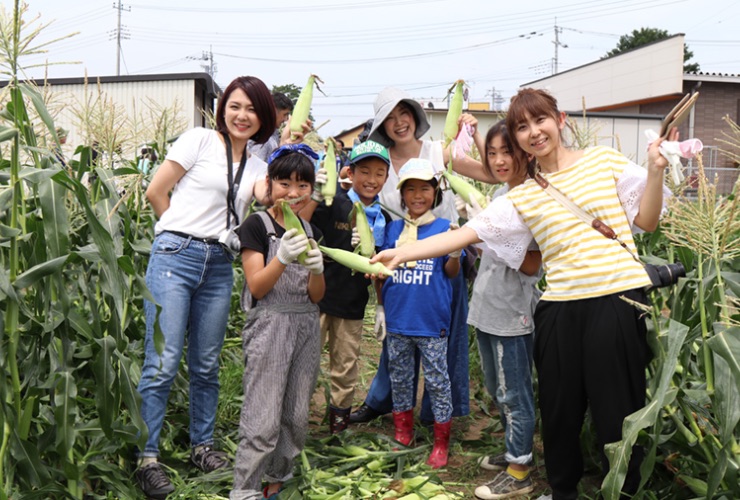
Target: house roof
column 211, row 87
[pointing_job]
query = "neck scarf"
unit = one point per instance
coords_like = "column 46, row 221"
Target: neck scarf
column 410, row 232
column 374, row 216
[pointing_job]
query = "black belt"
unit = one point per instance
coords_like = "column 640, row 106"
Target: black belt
column 209, row 241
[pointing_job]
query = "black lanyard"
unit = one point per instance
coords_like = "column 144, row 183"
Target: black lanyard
column 233, row 182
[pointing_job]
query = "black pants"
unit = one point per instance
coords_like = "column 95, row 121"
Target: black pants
column 589, row 352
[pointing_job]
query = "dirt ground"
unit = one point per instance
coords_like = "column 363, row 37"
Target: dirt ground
column 473, row 436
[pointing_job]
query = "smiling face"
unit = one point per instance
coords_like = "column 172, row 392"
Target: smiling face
column 400, row 125
column 502, row 162
column 240, row 117
column 368, row 178
column 291, row 189
column 540, row 135
column 418, row 196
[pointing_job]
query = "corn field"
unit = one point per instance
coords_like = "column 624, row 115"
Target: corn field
column 74, row 242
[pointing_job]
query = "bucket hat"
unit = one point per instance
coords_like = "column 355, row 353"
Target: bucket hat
column 387, row 99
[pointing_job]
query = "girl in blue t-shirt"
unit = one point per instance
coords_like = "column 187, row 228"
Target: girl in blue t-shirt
column 417, row 302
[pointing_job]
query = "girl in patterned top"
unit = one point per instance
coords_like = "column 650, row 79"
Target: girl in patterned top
column 590, row 350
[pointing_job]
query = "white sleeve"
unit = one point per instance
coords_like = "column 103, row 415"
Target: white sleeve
column 187, row 147
column 630, row 188
column 503, row 231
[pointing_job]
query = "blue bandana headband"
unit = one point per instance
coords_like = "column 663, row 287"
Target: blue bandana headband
column 374, row 217
column 293, row 148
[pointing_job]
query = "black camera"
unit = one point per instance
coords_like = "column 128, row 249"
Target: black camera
column 665, row 275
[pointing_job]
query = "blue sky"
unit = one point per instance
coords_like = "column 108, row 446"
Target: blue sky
column 360, row 46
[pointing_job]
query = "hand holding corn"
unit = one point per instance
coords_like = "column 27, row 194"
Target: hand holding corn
column 321, row 179
column 292, row 244
column 473, row 208
column 288, row 137
column 380, row 330
column 314, row 259
column 355, row 237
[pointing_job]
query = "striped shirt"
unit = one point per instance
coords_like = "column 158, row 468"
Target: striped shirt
column 579, row 262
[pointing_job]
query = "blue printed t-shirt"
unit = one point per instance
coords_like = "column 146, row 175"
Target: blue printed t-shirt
column 418, row 301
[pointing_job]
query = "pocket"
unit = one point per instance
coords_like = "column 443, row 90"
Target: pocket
column 168, row 245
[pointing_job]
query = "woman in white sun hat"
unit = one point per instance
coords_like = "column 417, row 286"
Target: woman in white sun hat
column 398, row 124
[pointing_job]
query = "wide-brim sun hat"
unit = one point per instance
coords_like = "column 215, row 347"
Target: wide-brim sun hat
column 415, row 168
column 387, row 100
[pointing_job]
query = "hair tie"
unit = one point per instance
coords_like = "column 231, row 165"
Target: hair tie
column 293, row 148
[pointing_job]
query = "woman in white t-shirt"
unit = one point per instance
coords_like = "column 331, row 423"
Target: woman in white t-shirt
column 201, row 191
column 590, row 349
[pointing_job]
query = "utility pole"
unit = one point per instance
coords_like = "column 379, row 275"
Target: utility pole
column 557, row 43
column 210, row 65
column 119, row 35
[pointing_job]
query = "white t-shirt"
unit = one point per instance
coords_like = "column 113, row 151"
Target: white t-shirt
column 198, row 202
column 390, row 196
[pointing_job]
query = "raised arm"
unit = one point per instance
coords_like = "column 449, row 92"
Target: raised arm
column 652, row 199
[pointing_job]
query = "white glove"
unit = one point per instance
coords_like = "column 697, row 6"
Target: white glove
column 314, row 260
column 379, row 323
column 355, row 237
column 456, row 253
column 292, row 245
column 473, row 208
column 461, row 207
column 320, row 181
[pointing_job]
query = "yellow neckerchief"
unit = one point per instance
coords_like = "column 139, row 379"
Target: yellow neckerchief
column 410, row 232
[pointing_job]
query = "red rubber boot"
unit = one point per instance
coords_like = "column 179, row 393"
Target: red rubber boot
column 404, row 423
column 438, row 457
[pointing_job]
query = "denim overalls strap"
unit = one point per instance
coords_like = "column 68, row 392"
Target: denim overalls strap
column 289, row 293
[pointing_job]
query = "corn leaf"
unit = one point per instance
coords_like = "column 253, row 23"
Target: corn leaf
column 104, row 381
column 619, row 453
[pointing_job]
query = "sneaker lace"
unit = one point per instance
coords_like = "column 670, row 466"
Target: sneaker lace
column 155, row 476
column 209, row 459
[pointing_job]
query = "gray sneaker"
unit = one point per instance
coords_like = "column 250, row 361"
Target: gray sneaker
column 153, row 481
column 493, row 462
column 504, row 485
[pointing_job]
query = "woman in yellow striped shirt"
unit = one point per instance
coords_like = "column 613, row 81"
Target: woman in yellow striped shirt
column 590, row 348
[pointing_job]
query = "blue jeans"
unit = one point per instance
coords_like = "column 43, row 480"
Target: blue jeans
column 191, row 281
column 379, row 395
column 507, row 370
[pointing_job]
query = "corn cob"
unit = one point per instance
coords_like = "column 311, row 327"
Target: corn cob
column 356, row 262
column 302, row 106
column 329, row 189
column 291, row 221
column 463, row 188
column 453, row 113
column 366, row 248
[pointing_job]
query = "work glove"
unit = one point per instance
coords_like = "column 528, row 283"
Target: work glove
column 292, row 244
column 456, row 253
column 380, row 323
column 314, row 259
column 473, row 208
column 355, row 237
column 320, row 181
column 461, row 207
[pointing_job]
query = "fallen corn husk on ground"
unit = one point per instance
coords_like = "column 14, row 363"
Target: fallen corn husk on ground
column 357, row 465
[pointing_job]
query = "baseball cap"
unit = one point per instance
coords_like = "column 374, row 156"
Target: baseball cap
column 369, row 149
column 415, row 168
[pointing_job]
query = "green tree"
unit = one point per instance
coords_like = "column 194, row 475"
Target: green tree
column 644, row 36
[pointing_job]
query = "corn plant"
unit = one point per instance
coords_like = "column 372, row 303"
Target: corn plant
column 70, row 287
column 689, row 426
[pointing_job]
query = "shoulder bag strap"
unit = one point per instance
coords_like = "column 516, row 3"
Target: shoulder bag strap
column 587, row 218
